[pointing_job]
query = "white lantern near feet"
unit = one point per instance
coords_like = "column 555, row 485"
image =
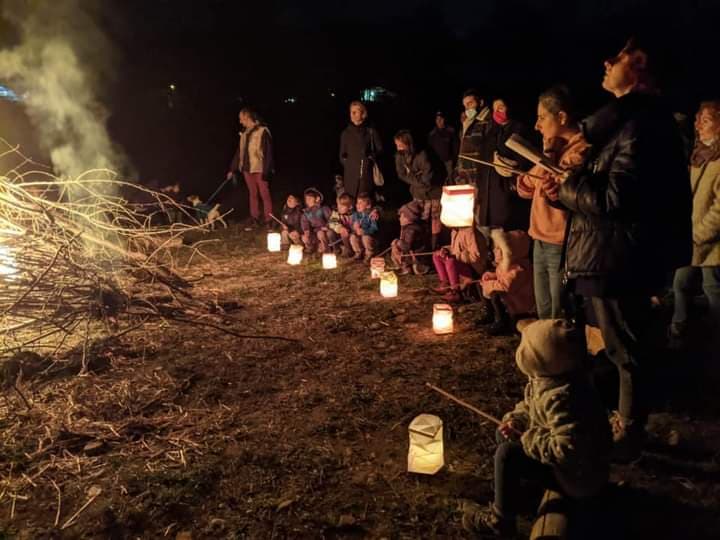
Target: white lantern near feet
column 425, row 455
column 329, row 261
column 377, row 267
column 273, row 242
column 295, row 255
column 457, row 206
column 442, row 319
column 388, row 285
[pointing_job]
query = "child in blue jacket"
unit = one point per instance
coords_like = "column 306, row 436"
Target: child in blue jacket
column 364, row 228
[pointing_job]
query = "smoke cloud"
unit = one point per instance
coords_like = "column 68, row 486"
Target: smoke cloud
column 60, row 63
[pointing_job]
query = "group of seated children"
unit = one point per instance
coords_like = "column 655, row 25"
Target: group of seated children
column 349, row 229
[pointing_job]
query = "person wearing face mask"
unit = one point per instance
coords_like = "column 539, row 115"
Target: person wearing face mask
column 360, row 148
column 705, row 185
column 474, row 140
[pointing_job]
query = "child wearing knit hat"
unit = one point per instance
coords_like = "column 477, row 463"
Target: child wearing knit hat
column 412, row 239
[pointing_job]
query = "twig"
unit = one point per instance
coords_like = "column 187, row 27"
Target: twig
column 422, row 254
column 276, row 219
column 94, row 492
column 59, row 499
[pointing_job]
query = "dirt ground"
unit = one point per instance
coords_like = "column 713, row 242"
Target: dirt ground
column 189, row 432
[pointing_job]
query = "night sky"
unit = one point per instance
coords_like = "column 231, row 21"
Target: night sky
column 221, row 54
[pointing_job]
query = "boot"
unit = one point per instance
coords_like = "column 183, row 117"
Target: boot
column 442, row 288
column 487, row 315
column 628, row 438
column 501, row 325
column 452, row 296
column 485, row 519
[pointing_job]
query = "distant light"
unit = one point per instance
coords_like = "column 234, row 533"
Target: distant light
column 291, row 100
column 172, row 87
column 332, row 94
column 377, row 93
column 6, row 93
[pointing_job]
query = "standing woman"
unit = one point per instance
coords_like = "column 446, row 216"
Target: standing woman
column 254, row 159
column 360, row 147
column 565, row 147
column 705, row 185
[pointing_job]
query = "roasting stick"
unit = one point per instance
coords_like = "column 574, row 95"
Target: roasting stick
column 276, row 219
column 501, row 166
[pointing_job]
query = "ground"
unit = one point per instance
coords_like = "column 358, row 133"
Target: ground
column 189, row 432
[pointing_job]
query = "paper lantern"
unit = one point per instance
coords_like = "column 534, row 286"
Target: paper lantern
column 295, row 255
column 377, row 267
column 388, row 285
column 442, row 319
column 273, row 241
column 329, row 261
column 425, row 455
column 457, row 206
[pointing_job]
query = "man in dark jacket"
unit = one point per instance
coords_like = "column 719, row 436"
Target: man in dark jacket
column 630, row 224
column 443, row 140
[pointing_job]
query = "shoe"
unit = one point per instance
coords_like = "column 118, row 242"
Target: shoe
column 270, row 226
column 500, row 327
column 357, row 257
column 484, row 519
column 404, row 271
column 486, row 316
column 420, row 269
column 628, row 439
column 441, row 289
column 452, row 297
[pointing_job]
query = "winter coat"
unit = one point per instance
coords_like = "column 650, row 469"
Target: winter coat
column 705, row 184
column 425, row 180
column 548, row 221
column 630, row 203
column 254, row 153
column 468, row 245
column 513, row 275
column 292, row 217
column 412, row 237
column 338, row 221
column 368, row 225
column 444, row 143
column 315, row 218
column 360, row 147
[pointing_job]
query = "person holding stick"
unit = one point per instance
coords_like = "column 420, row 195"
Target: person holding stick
column 411, row 241
column 460, row 263
column 557, row 438
column 290, row 222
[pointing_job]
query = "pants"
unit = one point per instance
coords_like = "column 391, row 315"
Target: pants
column 431, row 212
column 686, row 284
column 256, row 184
column 290, row 237
column 450, row 270
column 364, row 242
column 624, row 324
column 547, row 279
column 449, row 169
column 316, row 239
column 512, row 465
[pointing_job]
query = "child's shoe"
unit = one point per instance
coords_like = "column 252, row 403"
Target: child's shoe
column 452, row 296
column 484, row 519
column 420, row 269
column 442, row 288
column 357, row 257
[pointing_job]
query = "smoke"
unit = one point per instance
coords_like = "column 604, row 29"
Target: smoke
column 60, row 63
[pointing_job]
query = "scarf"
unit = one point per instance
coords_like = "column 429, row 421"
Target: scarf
column 702, row 153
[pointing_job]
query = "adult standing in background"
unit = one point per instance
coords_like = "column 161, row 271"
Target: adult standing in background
column 360, row 148
column 254, row 159
column 443, row 140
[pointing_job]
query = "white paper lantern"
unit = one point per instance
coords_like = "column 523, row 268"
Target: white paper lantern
column 425, row 455
column 457, row 206
column 295, row 255
column 329, row 261
column 388, row 285
column 377, row 267
column 273, row 241
column 442, row 319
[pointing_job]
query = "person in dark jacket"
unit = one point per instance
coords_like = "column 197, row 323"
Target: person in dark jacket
column 444, row 142
column 360, row 148
column 425, row 180
column 630, row 223
column 291, row 218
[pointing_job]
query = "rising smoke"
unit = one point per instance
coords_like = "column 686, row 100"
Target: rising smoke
column 60, row 63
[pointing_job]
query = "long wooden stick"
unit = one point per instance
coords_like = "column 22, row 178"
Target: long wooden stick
column 276, row 219
column 501, row 166
column 422, row 254
column 382, row 252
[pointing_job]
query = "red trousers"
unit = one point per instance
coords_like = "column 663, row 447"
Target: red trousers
column 256, row 183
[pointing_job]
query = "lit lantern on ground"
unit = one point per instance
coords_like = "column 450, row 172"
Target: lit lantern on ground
column 425, row 455
column 329, row 261
column 388, row 285
column 377, row 267
column 442, row 319
column 273, row 241
column 457, row 206
column 295, row 255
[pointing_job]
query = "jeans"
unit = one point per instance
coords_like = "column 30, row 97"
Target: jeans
column 257, row 184
column 686, row 284
column 512, row 465
column 547, row 278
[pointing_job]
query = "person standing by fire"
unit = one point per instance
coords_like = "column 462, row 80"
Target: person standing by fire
column 254, row 159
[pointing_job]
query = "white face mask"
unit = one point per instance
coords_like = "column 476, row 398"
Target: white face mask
column 470, row 113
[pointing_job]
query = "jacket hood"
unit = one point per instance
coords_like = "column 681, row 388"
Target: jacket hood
column 412, row 211
column 514, row 245
column 550, row 348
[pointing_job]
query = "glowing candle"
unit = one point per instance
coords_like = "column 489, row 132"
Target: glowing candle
column 425, row 455
column 273, row 241
column 295, row 255
column 377, row 267
column 457, row 206
column 388, row 285
column 329, row 261
column 442, row 319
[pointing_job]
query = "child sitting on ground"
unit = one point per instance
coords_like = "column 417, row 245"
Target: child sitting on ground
column 510, row 287
column 291, row 217
column 340, row 223
column 412, row 239
column 461, row 262
column 365, row 228
column 558, row 437
column 314, row 222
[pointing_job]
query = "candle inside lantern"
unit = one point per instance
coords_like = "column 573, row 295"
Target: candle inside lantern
column 295, row 255
column 377, row 267
column 388, row 285
column 457, row 206
column 329, row 261
column 425, row 455
column 442, row 319
column 273, row 241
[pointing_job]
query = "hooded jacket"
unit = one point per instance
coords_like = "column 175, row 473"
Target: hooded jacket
column 513, row 275
column 418, row 172
column 360, row 147
column 468, row 245
column 292, row 217
column 563, row 421
column 315, row 217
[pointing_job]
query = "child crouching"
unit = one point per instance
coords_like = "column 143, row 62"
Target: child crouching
column 558, row 437
column 412, row 239
column 314, row 222
column 461, row 262
column 340, row 223
column 365, row 228
column 291, row 217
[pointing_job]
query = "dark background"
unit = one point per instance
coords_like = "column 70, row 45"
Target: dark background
column 223, row 54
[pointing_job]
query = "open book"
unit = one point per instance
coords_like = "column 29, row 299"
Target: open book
column 519, row 145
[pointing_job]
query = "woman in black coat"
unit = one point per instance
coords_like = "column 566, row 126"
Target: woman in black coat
column 360, row 147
